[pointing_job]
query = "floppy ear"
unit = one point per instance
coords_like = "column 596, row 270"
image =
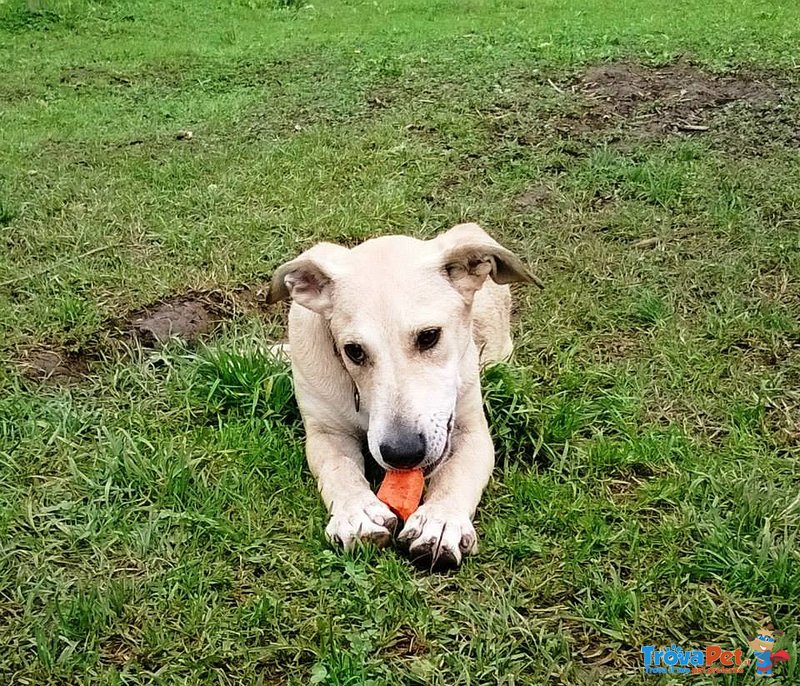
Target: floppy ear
column 469, row 255
column 309, row 278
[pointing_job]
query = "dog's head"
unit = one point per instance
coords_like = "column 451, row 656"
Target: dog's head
column 399, row 313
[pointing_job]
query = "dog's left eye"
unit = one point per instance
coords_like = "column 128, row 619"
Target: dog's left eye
column 356, row 353
column 428, row 338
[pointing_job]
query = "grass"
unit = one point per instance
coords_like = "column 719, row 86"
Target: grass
column 158, row 524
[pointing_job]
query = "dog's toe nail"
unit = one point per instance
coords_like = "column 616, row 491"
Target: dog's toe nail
column 337, row 539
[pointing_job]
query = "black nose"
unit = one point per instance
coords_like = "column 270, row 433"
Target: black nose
column 406, row 449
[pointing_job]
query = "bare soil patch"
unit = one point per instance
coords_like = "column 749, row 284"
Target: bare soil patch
column 535, row 197
column 406, row 644
column 189, row 317
column 624, row 485
column 782, row 422
column 681, row 86
column 654, row 102
column 116, row 650
column 596, row 653
column 626, row 104
column 58, row 367
column 83, row 76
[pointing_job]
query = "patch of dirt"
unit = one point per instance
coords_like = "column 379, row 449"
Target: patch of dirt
column 406, row 644
column 596, row 652
column 666, row 410
column 653, row 102
column 79, row 77
column 623, row 486
column 618, row 346
column 116, row 650
column 380, row 98
column 188, row 317
column 535, row 197
column 782, row 421
column 623, row 86
column 753, row 348
column 57, row 367
column 254, row 298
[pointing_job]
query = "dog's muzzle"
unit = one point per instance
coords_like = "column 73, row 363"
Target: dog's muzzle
column 445, row 454
column 406, row 447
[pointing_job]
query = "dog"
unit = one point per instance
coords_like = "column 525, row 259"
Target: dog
column 386, row 342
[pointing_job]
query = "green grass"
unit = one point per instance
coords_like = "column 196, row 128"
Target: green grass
column 157, row 520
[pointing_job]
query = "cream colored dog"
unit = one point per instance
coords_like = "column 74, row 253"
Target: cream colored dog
column 386, row 341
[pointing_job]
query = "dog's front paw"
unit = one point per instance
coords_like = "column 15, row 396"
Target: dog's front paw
column 368, row 521
column 438, row 538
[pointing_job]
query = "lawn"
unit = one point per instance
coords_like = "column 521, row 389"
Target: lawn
column 159, row 159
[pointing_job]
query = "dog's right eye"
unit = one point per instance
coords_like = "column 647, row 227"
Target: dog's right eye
column 428, row 338
column 356, row 353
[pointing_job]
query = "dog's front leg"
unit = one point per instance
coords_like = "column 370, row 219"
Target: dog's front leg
column 356, row 513
column 440, row 532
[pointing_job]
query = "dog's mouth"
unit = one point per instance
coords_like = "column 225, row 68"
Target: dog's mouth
column 445, row 454
column 429, row 464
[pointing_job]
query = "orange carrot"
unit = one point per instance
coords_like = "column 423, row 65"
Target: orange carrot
column 401, row 491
